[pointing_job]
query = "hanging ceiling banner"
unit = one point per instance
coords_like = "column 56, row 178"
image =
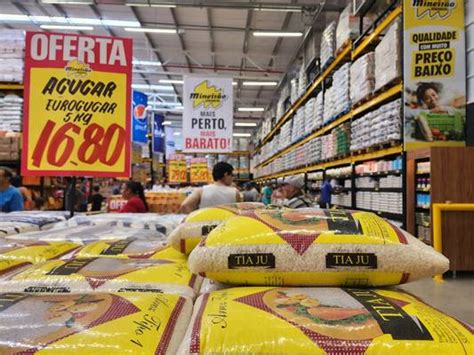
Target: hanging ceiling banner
column 77, row 105
column 208, row 114
column 139, row 117
column 434, row 73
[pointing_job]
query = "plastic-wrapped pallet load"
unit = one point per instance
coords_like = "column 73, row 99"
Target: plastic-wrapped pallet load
column 40, row 221
column 328, row 44
column 341, row 85
column 89, row 234
column 321, row 320
column 200, row 223
column 294, row 90
column 130, row 248
column 11, row 117
column 329, row 105
column 389, row 56
column 362, row 77
column 15, row 254
column 104, row 275
column 319, row 108
column 125, row 323
column 12, row 51
column 302, row 81
column 347, row 27
column 315, row 248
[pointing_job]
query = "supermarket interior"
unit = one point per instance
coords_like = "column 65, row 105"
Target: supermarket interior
column 236, row 177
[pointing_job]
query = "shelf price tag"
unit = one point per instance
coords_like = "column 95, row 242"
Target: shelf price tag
column 199, row 171
column 77, row 105
column 177, row 169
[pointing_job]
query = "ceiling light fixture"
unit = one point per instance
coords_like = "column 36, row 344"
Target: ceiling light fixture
column 152, row 87
column 260, row 83
column 274, row 9
column 234, row 83
column 245, row 124
column 146, row 63
column 69, row 2
column 45, row 20
column 68, row 28
column 277, row 34
column 167, row 123
column 242, row 135
column 151, row 30
column 251, row 109
column 177, row 133
column 171, row 81
column 170, row 6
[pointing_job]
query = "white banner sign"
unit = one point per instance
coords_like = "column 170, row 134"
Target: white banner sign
column 208, row 114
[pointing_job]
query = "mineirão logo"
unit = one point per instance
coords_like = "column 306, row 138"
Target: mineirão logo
column 434, row 8
column 77, row 69
column 207, row 96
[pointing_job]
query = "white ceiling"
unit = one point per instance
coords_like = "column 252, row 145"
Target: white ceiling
column 212, row 40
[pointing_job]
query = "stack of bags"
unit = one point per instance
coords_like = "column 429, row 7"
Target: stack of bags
column 293, row 264
column 389, row 56
column 12, row 52
column 11, row 113
column 328, row 150
column 286, row 135
column 347, row 27
column 341, row 136
column 341, row 85
column 294, row 93
column 299, row 128
column 302, row 81
column 319, row 108
column 328, row 44
column 362, row 77
column 329, row 105
column 310, row 115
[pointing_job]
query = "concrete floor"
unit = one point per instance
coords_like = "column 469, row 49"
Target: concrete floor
column 453, row 296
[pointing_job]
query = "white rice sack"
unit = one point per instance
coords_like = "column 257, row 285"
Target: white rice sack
column 105, row 275
column 9, row 228
column 89, row 234
column 267, row 320
column 200, row 223
column 43, row 220
column 95, row 323
column 313, row 248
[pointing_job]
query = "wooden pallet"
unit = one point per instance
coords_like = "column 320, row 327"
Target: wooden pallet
column 389, row 85
column 343, row 47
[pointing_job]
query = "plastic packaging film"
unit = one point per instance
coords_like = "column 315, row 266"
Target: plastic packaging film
column 201, row 222
column 105, row 275
column 94, row 323
column 313, row 247
column 319, row 321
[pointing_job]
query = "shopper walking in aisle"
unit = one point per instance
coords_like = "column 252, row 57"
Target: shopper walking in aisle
column 96, row 199
column 221, row 191
column 267, row 192
column 250, row 193
column 292, row 191
column 134, row 193
column 325, row 197
column 10, row 198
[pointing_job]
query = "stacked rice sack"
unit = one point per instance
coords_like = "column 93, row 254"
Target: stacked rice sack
column 200, row 223
column 346, row 255
column 25, row 221
column 118, row 290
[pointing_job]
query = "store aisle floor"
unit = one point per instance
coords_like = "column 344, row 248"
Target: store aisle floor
column 453, row 296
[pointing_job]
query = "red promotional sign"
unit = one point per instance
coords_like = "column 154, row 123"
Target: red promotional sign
column 77, row 105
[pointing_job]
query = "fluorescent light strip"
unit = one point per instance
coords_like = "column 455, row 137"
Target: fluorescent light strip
column 170, row 81
column 151, row 30
column 167, row 123
column 152, row 87
column 146, row 63
column 245, row 124
column 242, row 135
column 177, row 133
column 164, row 6
column 251, row 109
column 260, row 83
column 234, row 83
column 69, row 28
column 141, row 4
column 68, row 2
column 277, row 34
column 278, row 9
column 67, row 21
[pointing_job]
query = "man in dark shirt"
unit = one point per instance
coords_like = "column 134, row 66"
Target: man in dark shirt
column 96, row 199
column 325, row 199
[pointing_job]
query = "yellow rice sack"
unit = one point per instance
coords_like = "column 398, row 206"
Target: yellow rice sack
column 313, row 248
column 130, row 248
column 96, row 323
column 321, row 321
column 200, row 223
column 18, row 253
column 105, row 275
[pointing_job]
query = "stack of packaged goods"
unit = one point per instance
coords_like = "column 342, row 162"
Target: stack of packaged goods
column 244, row 167
column 341, row 136
column 347, row 27
column 341, row 172
column 10, row 147
column 341, row 85
column 280, row 111
column 294, row 90
column 328, row 147
column 12, row 52
column 311, row 122
column 286, row 135
column 302, row 81
column 315, row 150
column 343, row 199
column 389, row 56
column 328, row 44
column 366, row 182
column 329, row 105
column 376, row 166
column 164, row 202
column 243, row 144
column 11, row 113
column 377, row 127
column 298, row 131
column 362, row 78
column 319, row 109
column 391, row 181
column 391, row 202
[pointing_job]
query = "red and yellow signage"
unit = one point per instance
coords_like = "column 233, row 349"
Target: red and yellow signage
column 199, row 171
column 177, row 169
column 77, row 105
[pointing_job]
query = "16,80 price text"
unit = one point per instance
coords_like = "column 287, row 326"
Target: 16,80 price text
column 95, row 144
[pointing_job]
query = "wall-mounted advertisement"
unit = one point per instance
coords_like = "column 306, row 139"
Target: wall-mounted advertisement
column 435, row 73
column 207, row 115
